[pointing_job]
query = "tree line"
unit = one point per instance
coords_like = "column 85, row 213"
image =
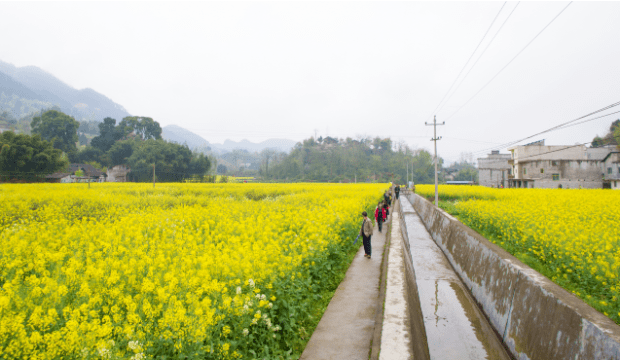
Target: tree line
column 348, row 160
column 135, row 141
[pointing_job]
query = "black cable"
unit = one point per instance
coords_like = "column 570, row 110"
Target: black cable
column 585, row 121
column 518, row 54
column 475, row 50
column 479, row 58
column 565, row 148
column 557, row 127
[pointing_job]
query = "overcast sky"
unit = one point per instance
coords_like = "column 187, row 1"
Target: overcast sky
column 258, row 70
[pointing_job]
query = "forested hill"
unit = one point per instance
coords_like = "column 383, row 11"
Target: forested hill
column 349, row 160
column 29, row 89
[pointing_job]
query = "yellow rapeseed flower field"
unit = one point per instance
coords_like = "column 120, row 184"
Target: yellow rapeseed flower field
column 212, row 271
column 570, row 236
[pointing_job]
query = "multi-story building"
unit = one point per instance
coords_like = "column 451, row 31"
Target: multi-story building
column 611, row 170
column 563, row 166
column 494, row 170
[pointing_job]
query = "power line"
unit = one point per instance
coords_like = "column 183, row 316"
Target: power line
column 518, row 54
column 557, row 150
column 479, row 58
column 585, row 121
column 475, row 50
column 557, row 127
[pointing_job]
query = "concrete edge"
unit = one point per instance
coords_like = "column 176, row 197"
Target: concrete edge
column 536, row 318
column 379, row 312
column 396, row 339
column 415, row 314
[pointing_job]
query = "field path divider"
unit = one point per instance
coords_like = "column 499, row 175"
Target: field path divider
column 347, row 328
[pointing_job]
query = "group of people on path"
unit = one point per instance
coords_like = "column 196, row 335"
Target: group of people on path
column 381, row 214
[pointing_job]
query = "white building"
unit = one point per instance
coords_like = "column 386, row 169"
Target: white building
column 563, row 166
column 494, row 170
column 118, row 173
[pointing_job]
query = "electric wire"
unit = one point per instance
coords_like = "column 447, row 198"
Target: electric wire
column 470, row 58
column 557, row 150
column 510, row 61
column 479, row 58
column 585, row 121
column 557, row 127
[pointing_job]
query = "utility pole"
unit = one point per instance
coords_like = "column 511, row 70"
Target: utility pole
column 435, row 151
column 154, row 175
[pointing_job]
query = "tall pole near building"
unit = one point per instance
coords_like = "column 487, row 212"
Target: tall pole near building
column 435, row 151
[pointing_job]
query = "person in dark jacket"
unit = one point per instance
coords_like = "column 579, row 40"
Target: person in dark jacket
column 397, row 190
column 380, row 215
column 366, row 231
column 386, row 209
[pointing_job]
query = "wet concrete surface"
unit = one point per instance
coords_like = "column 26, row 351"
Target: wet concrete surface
column 346, row 328
column 454, row 325
column 396, row 340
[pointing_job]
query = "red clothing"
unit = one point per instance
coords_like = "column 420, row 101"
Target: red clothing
column 383, row 213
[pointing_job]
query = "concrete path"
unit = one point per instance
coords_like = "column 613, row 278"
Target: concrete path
column 346, row 328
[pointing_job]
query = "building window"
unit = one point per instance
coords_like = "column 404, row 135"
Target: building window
column 555, row 177
column 490, row 172
column 610, row 170
column 524, row 171
column 554, row 163
column 542, row 170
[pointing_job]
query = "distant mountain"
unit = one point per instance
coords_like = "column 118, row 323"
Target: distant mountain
column 28, row 89
column 183, row 136
column 284, row 145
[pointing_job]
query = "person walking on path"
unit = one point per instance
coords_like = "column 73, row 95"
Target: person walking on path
column 366, row 231
column 386, row 198
column 380, row 215
column 386, row 208
column 397, row 190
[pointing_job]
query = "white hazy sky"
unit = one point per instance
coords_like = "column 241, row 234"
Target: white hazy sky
column 258, row 70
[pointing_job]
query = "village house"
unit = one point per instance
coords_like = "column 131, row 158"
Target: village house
column 91, row 174
column 494, row 170
column 611, row 170
column 118, row 173
column 536, row 165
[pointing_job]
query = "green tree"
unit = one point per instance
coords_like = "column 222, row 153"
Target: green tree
column 199, row 164
column 363, row 159
column 89, row 127
column 90, row 153
column 172, row 161
column 611, row 138
column 120, row 152
column 108, row 135
column 143, row 127
column 28, row 157
column 59, row 128
column 469, row 173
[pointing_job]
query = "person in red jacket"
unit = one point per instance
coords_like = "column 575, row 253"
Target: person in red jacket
column 380, row 215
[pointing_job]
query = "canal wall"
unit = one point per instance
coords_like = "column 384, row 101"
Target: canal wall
column 535, row 318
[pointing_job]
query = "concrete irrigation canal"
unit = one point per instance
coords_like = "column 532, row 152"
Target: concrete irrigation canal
column 435, row 289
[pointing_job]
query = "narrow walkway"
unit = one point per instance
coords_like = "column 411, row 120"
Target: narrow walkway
column 346, row 328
